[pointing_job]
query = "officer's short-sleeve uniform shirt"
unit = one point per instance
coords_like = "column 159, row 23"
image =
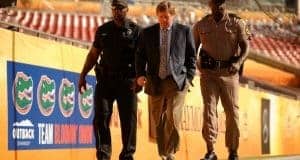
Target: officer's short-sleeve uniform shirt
column 221, row 39
column 117, row 44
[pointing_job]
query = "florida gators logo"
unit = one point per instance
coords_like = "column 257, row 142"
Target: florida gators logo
column 22, row 93
column 46, row 95
column 86, row 101
column 66, row 97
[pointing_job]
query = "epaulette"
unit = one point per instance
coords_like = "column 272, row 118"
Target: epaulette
column 232, row 15
column 205, row 17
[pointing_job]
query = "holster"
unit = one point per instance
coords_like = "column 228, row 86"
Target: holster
column 208, row 62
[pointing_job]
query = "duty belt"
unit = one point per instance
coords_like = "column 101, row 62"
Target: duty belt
column 104, row 73
column 208, row 62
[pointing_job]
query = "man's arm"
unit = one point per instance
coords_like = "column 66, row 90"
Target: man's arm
column 141, row 60
column 90, row 62
column 91, row 59
column 140, row 56
column 190, row 56
column 243, row 44
column 197, row 42
column 196, row 35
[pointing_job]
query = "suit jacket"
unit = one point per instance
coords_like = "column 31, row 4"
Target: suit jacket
column 182, row 57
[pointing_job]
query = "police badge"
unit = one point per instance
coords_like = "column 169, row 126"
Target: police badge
column 127, row 33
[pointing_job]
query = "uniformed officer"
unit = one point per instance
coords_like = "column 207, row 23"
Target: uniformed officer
column 114, row 45
column 224, row 49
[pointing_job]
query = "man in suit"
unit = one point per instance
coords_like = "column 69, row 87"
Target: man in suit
column 165, row 64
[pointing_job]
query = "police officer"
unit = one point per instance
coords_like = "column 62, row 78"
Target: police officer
column 114, row 45
column 224, row 49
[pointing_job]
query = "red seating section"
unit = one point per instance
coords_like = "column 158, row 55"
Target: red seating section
column 70, row 25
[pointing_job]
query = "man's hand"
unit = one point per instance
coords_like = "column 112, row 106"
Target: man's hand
column 136, row 87
column 232, row 70
column 141, row 80
column 81, row 84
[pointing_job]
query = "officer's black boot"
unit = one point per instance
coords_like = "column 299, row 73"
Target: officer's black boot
column 211, row 155
column 233, row 155
column 128, row 157
column 127, row 153
column 103, row 153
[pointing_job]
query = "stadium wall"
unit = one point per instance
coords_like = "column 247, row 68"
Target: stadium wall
column 266, row 74
column 43, row 117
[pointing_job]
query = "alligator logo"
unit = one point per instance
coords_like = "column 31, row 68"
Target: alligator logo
column 22, row 93
column 66, row 97
column 46, row 95
column 86, row 101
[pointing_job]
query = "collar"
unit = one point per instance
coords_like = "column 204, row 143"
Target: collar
column 224, row 18
column 168, row 29
column 126, row 24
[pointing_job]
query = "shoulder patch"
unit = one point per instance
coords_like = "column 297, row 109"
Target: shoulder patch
column 235, row 19
column 232, row 15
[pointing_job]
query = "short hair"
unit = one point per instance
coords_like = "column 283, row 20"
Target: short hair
column 166, row 6
column 219, row 2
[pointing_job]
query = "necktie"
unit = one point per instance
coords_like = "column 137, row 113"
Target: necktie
column 163, row 67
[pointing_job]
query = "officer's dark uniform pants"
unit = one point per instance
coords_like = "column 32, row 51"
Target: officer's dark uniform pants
column 215, row 85
column 105, row 94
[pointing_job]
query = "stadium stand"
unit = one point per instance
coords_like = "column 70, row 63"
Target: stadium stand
column 269, row 39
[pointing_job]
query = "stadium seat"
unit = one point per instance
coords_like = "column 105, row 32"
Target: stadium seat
column 44, row 22
column 19, row 17
column 92, row 27
column 85, row 28
column 27, row 19
column 69, row 26
column 77, row 27
column 35, row 20
column 60, row 25
column 52, row 23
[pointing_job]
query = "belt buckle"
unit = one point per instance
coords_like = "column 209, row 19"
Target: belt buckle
column 218, row 64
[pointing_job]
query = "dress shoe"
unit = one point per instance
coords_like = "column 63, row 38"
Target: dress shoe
column 171, row 157
column 233, row 156
column 210, row 156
